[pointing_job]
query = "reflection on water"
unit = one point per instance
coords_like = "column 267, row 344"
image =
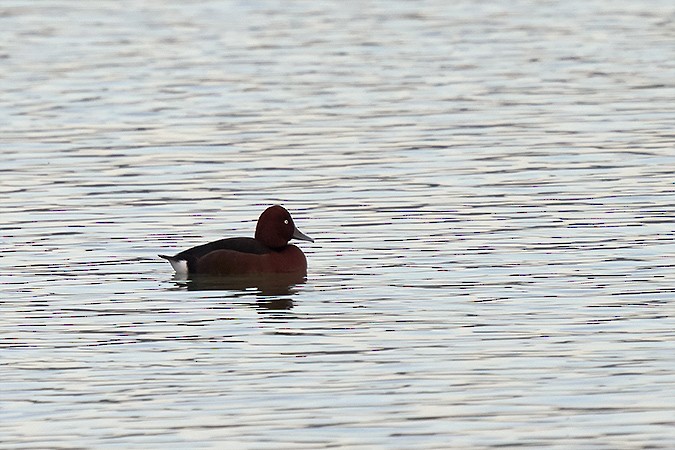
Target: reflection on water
column 264, row 285
column 491, row 184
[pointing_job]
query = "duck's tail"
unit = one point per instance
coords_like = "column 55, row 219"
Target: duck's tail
column 179, row 265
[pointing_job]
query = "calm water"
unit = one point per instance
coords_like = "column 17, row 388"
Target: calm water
column 490, row 187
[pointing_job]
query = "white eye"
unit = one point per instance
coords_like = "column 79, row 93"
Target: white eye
column 286, row 222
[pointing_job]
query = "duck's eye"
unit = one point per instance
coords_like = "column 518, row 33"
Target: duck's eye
column 286, row 222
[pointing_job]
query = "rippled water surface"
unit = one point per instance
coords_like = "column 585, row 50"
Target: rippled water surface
column 489, row 184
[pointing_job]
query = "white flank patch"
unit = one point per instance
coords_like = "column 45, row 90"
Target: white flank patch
column 179, row 265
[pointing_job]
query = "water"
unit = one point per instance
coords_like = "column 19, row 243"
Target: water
column 490, row 187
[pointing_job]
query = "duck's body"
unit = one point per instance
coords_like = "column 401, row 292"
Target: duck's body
column 268, row 252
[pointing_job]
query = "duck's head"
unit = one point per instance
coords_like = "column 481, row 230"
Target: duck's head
column 276, row 227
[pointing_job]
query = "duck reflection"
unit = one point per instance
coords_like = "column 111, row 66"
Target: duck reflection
column 272, row 285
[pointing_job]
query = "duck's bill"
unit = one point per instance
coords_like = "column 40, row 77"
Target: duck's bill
column 297, row 234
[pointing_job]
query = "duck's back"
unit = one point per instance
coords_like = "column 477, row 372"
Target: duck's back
column 237, row 244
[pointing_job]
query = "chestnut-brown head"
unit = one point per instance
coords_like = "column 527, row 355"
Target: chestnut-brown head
column 275, row 228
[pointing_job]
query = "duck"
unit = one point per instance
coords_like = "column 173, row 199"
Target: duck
column 268, row 252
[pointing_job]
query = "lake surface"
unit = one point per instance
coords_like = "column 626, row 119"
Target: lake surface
column 489, row 184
